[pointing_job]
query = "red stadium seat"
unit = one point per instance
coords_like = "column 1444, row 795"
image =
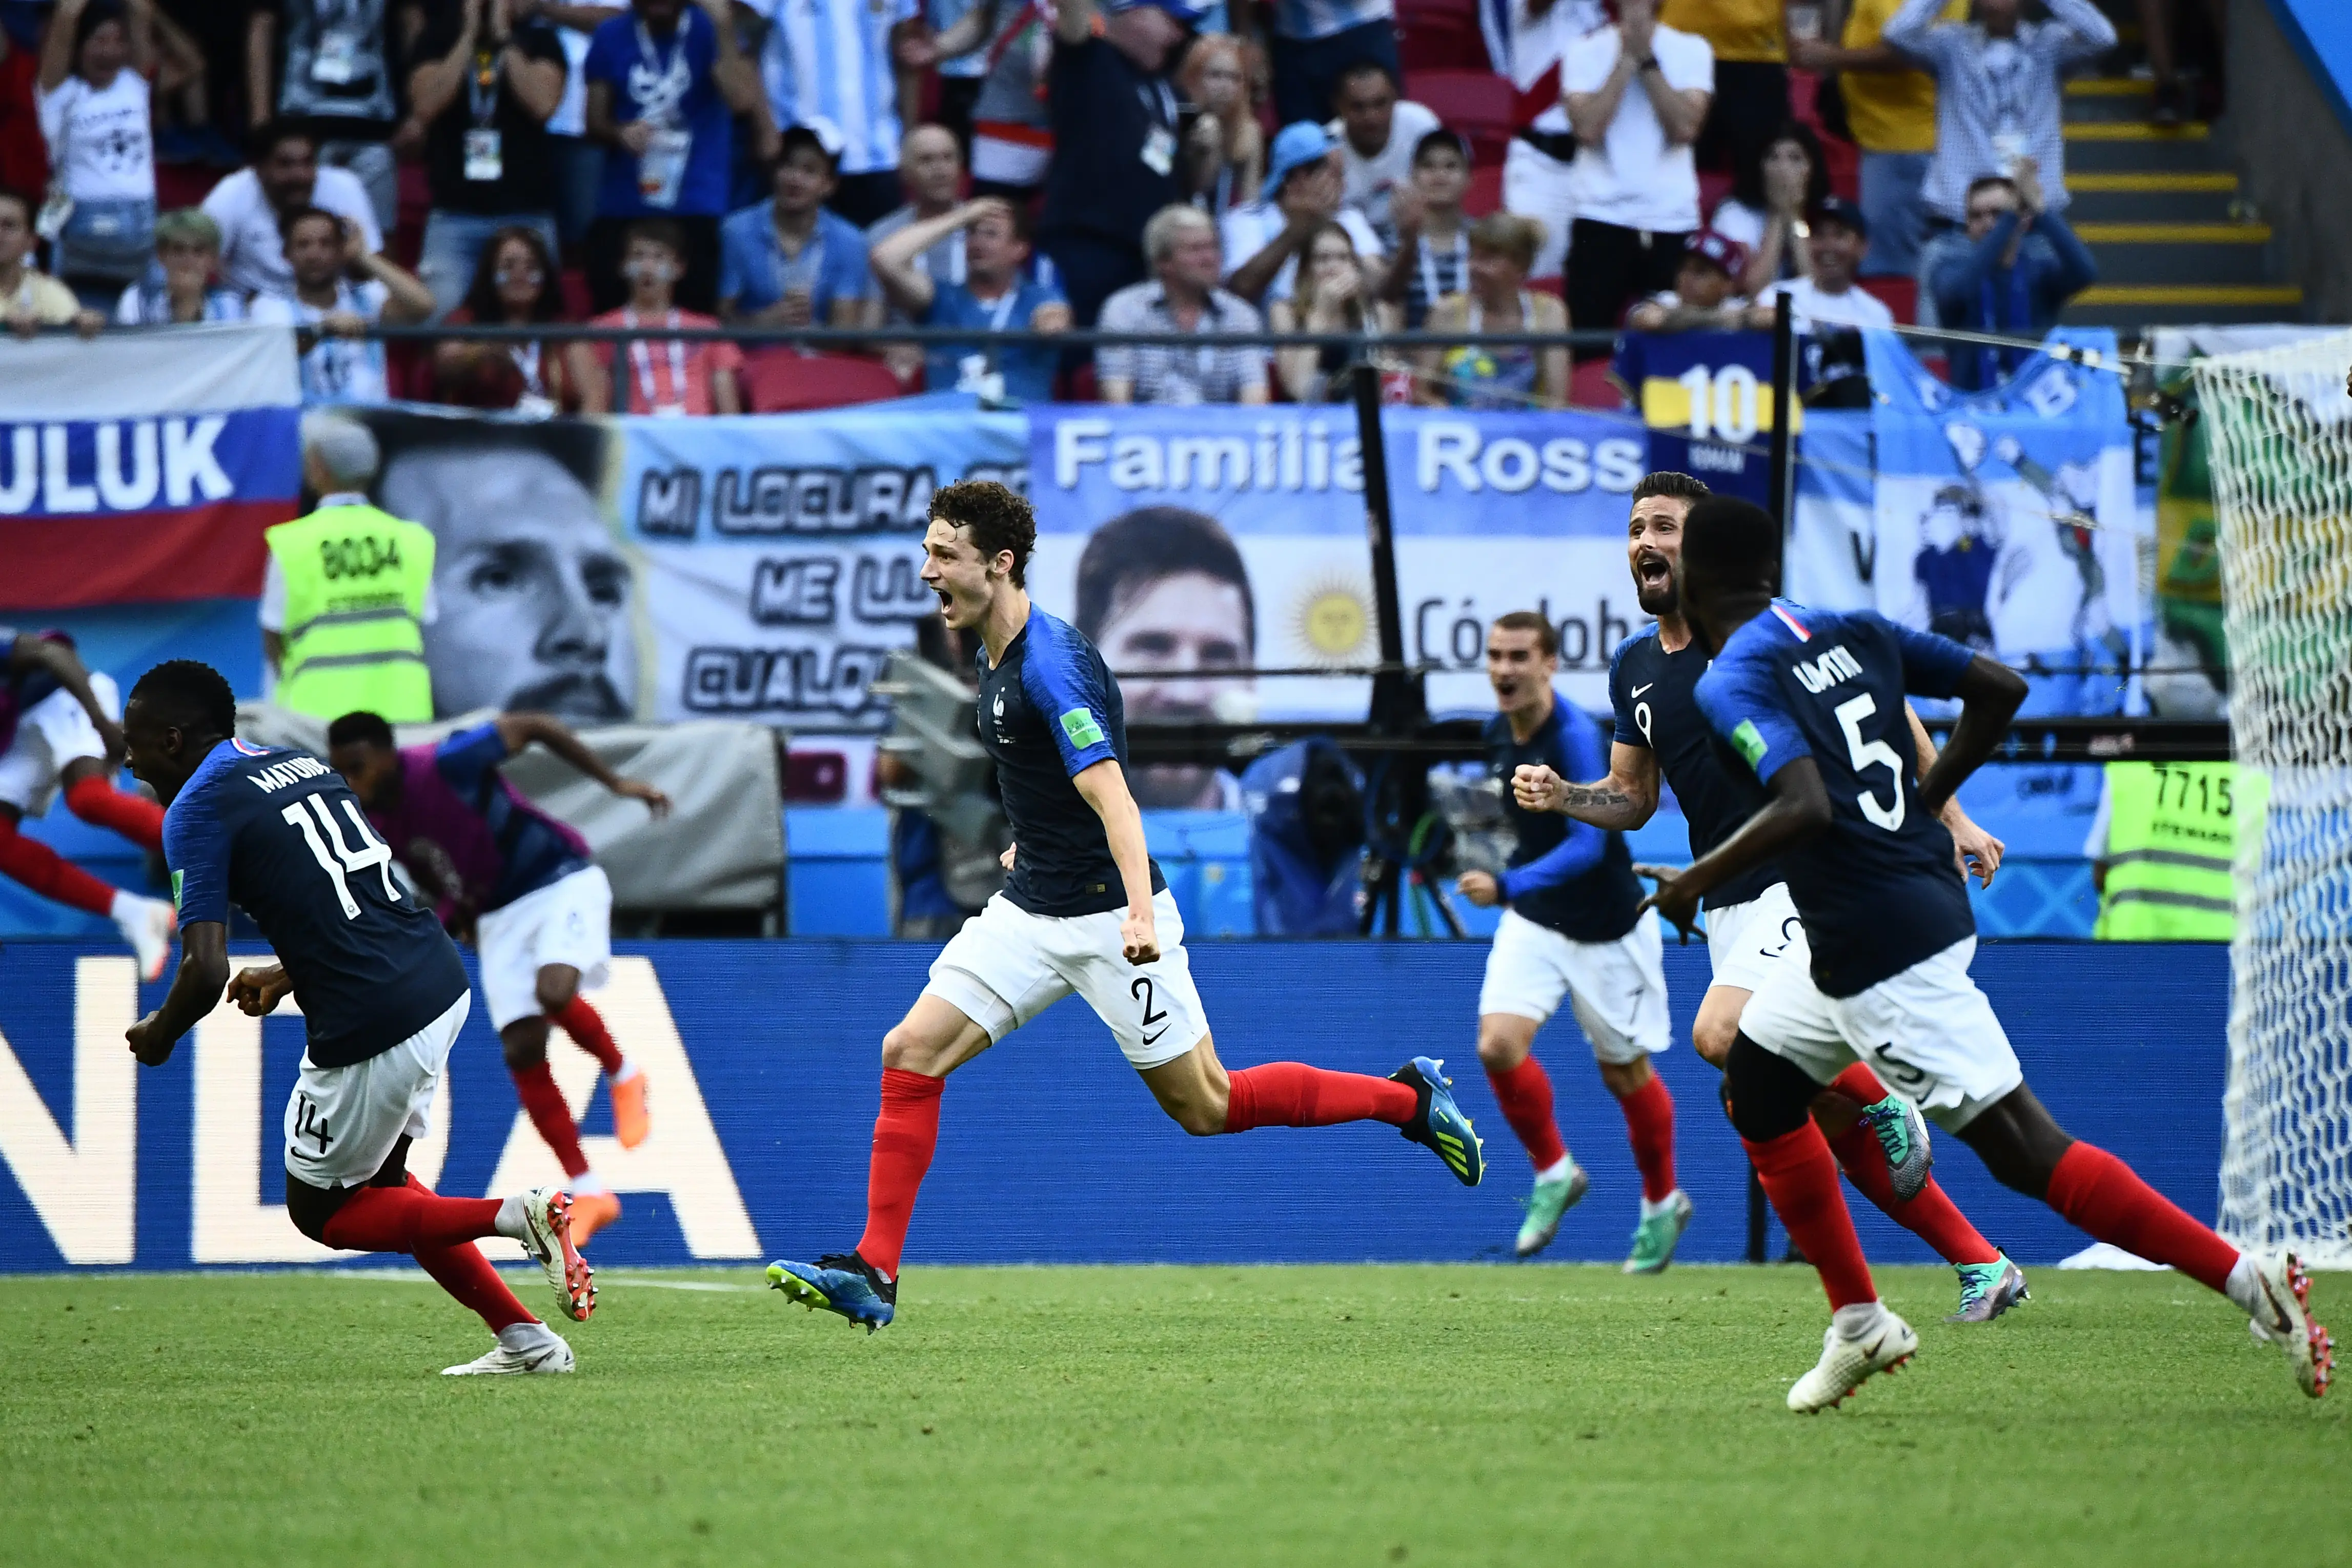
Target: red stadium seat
column 1590, row 387
column 1440, row 36
column 1478, row 104
column 1485, row 193
column 778, row 381
column 1900, row 294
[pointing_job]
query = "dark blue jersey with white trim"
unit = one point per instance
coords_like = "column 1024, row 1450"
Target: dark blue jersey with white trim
column 1650, row 691
column 1568, row 876
column 1047, row 713
column 277, row 834
column 1879, row 891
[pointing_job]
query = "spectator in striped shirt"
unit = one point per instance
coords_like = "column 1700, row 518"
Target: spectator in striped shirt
column 1432, row 250
column 848, row 66
column 1182, row 243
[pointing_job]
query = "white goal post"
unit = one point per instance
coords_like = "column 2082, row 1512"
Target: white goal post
column 2279, row 428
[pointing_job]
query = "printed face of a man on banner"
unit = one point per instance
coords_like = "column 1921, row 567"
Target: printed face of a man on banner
column 533, row 595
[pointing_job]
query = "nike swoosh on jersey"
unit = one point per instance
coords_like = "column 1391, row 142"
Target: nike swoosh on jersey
column 1644, row 687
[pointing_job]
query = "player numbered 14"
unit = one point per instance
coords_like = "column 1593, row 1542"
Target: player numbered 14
column 345, row 863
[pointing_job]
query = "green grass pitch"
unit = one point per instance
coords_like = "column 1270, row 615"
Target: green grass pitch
column 1214, row 1416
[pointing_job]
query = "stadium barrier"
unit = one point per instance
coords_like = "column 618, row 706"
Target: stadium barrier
column 762, row 1064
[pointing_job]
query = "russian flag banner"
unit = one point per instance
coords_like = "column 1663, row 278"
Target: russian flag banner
column 141, row 467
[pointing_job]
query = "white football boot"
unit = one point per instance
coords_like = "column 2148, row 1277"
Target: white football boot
column 541, row 1352
column 1847, row 1364
column 2288, row 1324
column 547, row 1216
column 147, row 925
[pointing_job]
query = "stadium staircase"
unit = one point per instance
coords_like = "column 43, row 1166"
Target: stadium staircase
column 2161, row 211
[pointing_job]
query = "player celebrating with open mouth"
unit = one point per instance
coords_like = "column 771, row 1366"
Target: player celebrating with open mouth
column 1573, row 931
column 1083, row 909
column 1752, row 927
column 382, row 994
column 1809, row 703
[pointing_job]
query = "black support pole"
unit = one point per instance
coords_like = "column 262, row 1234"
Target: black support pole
column 1784, row 420
column 1400, row 795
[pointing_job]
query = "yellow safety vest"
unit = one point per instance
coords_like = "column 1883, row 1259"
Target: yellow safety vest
column 2173, row 833
column 355, row 586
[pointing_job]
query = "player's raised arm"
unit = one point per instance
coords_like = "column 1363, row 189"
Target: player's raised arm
column 1989, row 694
column 519, row 729
column 32, row 652
column 196, row 990
column 1619, row 803
column 1103, row 787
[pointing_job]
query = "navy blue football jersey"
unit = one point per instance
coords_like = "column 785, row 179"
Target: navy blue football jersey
column 1650, row 691
column 1879, row 891
column 1048, row 713
column 1568, row 876
column 277, row 834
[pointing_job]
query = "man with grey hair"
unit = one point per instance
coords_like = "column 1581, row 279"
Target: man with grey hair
column 348, row 591
column 1187, row 260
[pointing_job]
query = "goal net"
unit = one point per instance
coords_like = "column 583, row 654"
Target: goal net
column 2280, row 433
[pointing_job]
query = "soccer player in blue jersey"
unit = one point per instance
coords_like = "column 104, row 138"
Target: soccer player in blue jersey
column 1571, row 931
column 1084, row 910
column 1809, row 703
column 277, row 834
column 1752, row 927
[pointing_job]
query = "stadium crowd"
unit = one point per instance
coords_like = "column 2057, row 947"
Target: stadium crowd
column 1021, row 166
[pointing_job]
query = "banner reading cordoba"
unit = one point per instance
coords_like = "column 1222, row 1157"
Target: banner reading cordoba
column 1194, row 540
column 142, row 468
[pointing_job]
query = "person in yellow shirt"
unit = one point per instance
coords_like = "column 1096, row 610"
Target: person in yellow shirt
column 30, row 299
column 1751, row 71
column 1890, row 105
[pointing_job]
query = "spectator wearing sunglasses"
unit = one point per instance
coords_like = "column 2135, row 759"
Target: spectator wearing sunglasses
column 514, row 286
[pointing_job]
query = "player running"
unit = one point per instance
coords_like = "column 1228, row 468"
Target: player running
column 1752, row 927
column 521, row 884
column 1571, row 930
column 1083, row 909
column 57, row 735
column 382, row 994
column 1808, row 701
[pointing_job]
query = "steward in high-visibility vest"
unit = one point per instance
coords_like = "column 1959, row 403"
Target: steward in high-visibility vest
column 356, row 581
column 2173, row 833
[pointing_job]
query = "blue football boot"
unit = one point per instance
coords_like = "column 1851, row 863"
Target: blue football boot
column 1438, row 1123
column 839, row 1282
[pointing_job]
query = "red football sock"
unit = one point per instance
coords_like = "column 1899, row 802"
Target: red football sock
column 550, row 1115
column 465, row 1273
column 1800, row 1179
column 404, row 1219
column 586, row 1027
column 1931, row 1215
column 2103, row 1195
column 51, row 874
column 135, row 817
column 1525, row 1095
column 1860, row 1084
column 905, row 1135
column 1293, row 1094
column 1650, row 1128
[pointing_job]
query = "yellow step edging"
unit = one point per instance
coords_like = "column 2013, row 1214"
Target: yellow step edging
column 2133, row 130
column 2176, row 184
column 2173, row 234
column 2191, row 294
column 2109, row 87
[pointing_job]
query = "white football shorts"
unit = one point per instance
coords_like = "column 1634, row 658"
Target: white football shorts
column 1745, row 942
column 342, row 1122
column 569, row 921
column 1007, row 965
column 1618, row 990
column 51, row 734
column 1928, row 1032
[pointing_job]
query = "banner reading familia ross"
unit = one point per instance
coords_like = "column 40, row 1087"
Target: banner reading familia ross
column 760, row 569
column 2004, row 518
column 142, row 469
column 1196, row 544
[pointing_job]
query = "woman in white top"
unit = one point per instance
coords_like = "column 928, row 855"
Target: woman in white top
column 1772, row 197
column 1226, row 154
column 95, row 115
column 1328, row 298
column 1503, row 248
column 179, row 289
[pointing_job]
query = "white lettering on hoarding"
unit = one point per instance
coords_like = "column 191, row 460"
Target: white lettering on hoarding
column 83, row 1187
